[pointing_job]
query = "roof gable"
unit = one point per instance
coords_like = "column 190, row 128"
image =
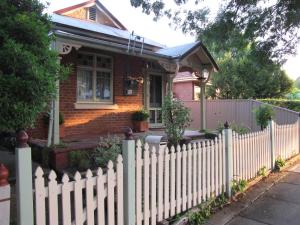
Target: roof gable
column 82, row 10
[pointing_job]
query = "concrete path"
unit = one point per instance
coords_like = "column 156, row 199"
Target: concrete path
column 279, row 204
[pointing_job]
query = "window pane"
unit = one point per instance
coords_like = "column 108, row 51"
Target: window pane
column 103, row 90
column 104, row 62
column 85, row 60
column 85, row 85
column 155, row 91
column 152, row 116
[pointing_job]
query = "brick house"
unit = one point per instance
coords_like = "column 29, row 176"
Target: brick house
column 186, row 86
column 114, row 72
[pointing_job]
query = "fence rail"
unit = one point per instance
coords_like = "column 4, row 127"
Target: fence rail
column 167, row 181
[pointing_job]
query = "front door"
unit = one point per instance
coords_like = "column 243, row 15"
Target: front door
column 156, row 100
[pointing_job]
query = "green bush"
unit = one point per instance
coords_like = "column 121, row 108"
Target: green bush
column 238, row 186
column 262, row 171
column 80, row 160
column 140, row 115
column 263, row 114
column 176, row 118
column 284, row 103
column 108, row 149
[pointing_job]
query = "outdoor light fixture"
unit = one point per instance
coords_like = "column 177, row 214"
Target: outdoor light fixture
column 203, row 76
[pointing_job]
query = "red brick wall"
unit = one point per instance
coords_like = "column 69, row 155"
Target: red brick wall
column 87, row 122
column 184, row 90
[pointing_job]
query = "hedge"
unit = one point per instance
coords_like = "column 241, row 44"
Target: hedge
column 284, row 103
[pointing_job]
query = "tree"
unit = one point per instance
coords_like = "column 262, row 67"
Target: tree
column 273, row 24
column 297, row 83
column 28, row 68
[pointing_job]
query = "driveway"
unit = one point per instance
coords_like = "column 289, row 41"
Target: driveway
column 278, row 203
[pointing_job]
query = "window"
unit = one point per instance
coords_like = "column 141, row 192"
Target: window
column 92, row 13
column 94, row 78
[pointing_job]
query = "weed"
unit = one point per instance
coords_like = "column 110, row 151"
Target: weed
column 262, row 171
column 238, row 186
column 279, row 162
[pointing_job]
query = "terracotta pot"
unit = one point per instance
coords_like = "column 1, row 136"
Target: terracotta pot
column 140, row 126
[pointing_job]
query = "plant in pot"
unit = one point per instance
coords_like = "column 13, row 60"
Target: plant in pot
column 61, row 123
column 139, row 118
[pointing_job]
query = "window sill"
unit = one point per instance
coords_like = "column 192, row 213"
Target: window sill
column 95, row 105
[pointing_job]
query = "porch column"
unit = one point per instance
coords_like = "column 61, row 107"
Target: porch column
column 170, row 84
column 202, row 106
column 56, row 135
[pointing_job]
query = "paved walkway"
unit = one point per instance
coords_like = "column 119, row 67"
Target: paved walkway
column 278, row 204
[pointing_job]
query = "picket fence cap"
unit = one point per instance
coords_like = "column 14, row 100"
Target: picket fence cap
column 22, row 139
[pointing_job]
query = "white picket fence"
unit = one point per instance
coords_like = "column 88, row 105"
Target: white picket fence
column 76, row 201
column 167, row 182
column 171, row 182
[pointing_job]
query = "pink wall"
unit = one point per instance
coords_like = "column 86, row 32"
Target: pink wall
column 184, row 90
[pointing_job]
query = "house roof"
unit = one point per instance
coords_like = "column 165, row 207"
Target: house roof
column 96, row 27
column 185, row 76
column 181, row 51
column 87, row 3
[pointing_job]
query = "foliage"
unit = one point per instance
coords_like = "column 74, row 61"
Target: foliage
column 263, row 114
column 28, row 68
column 108, row 149
column 297, row 83
column 206, row 209
column 262, row 171
column 176, row 118
column 284, row 103
column 240, row 129
column 79, row 160
column 140, row 115
column 279, row 163
column 273, row 24
column 47, row 115
column 238, row 186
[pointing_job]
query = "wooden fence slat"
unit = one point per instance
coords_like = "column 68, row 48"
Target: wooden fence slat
column 172, row 184
column 66, row 201
column 213, row 165
column 208, row 177
column 110, row 194
column 40, row 215
column 139, row 216
column 184, row 178
column 167, row 184
column 146, row 185
column 53, row 202
column 204, row 171
column 78, row 199
column 194, row 172
column 178, row 180
column 100, row 197
column 153, row 186
column 89, row 190
column 120, row 197
column 189, row 177
column 160, row 176
column 199, row 168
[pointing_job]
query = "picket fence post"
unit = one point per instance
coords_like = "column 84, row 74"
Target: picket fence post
column 228, row 158
column 128, row 152
column 24, row 180
column 272, row 143
column 4, row 196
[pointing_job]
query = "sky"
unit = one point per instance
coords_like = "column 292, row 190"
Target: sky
column 134, row 20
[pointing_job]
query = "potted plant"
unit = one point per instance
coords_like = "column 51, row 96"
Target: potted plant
column 139, row 118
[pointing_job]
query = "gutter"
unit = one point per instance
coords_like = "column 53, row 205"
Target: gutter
column 109, row 46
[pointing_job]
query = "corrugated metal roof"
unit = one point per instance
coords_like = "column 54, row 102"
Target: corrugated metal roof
column 96, row 27
column 178, row 51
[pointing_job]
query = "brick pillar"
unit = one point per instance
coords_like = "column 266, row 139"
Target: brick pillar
column 4, row 196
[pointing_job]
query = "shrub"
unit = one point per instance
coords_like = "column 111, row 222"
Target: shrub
column 284, row 103
column 140, row 115
column 262, row 171
column 176, row 118
column 263, row 114
column 108, row 149
column 80, row 160
column 28, row 68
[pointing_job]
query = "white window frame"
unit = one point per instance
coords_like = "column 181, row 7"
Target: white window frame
column 94, row 70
